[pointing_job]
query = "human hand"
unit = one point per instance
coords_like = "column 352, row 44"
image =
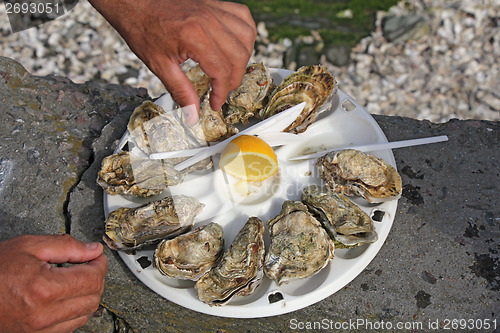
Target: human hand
column 218, row 35
column 38, row 297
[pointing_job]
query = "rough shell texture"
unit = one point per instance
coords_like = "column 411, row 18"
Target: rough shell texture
column 245, row 101
column 200, row 80
column 211, row 125
column 352, row 172
column 311, row 84
column 130, row 229
column 153, row 130
column 190, row 255
column 300, row 247
column 126, row 174
column 343, row 220
column 240, row 270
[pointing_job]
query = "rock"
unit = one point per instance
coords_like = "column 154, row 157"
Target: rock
column 403, row 28
column 338, row 55
column 58, row 194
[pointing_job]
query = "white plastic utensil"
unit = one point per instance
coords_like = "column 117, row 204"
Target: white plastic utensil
column 376, row 146
column 279, row 122
column 273, row 139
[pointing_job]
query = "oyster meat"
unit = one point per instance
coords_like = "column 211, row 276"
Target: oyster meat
column 311, row 84
column 127, row 174
column 245, row 101
column 130, row 229
column 344, row 221
column 190, row 255
column 352, row 172
column 240, row 270
column 300, row 246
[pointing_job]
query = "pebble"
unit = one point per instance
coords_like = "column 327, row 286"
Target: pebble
column 441, row 60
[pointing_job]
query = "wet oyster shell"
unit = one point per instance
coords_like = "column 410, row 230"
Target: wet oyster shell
column 126, row 174
column 344, row 221
column 300, row 246
column 352, row 172
column 311, row 84
column 245, row 101
column 240, row 270
column 153, row 130
column 211, row 125
column 130, row 229
column 199, row 79
column 189, row 256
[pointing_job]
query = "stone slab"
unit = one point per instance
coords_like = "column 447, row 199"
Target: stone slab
column 439, row 262
column 440, row 259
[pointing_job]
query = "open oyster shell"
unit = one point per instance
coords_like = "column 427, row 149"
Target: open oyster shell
column 352, row 172
column 245, row 101
column 211, row 125
column 190, row 255
column 300, row 246
column 343, row 220
column 154, row 131
column 311, row 84
column 127, row 174
column 130, row 229
column 240, row 270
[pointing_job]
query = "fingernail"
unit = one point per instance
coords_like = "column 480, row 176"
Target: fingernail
column 92, row 246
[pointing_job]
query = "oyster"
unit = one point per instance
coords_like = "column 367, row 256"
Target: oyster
column 300, row 247
column 211, row 125
column 190, row 255
column 352, row 172
column 130, row 229
column 124, row 173
column 245, row 101
column 199, row 79
column 310, row 84
column 343, row 220
column 155, row 131
column 240, row 270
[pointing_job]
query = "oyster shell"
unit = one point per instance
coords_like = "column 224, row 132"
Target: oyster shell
column 200, row 80
column 352, row 172
column 343, row 220
column 240, row 270
column 153, row 130
column 300, row 247
column 189, row 256
column 211, row 125
column 130, row 229
column 310, row 84
column 245, row 101
column 126, row 174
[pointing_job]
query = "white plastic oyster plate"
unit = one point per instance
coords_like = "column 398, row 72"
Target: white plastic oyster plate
column 229, row 204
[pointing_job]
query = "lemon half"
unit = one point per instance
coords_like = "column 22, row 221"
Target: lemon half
column 248, row 158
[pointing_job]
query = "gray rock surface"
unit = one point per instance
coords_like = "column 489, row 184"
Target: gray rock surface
column 46, row 130
column 440, row 260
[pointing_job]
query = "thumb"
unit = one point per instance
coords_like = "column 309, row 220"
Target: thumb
column 182, row 91
column 65, row 248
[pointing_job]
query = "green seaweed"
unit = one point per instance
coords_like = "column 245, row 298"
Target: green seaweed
column 294, row 18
